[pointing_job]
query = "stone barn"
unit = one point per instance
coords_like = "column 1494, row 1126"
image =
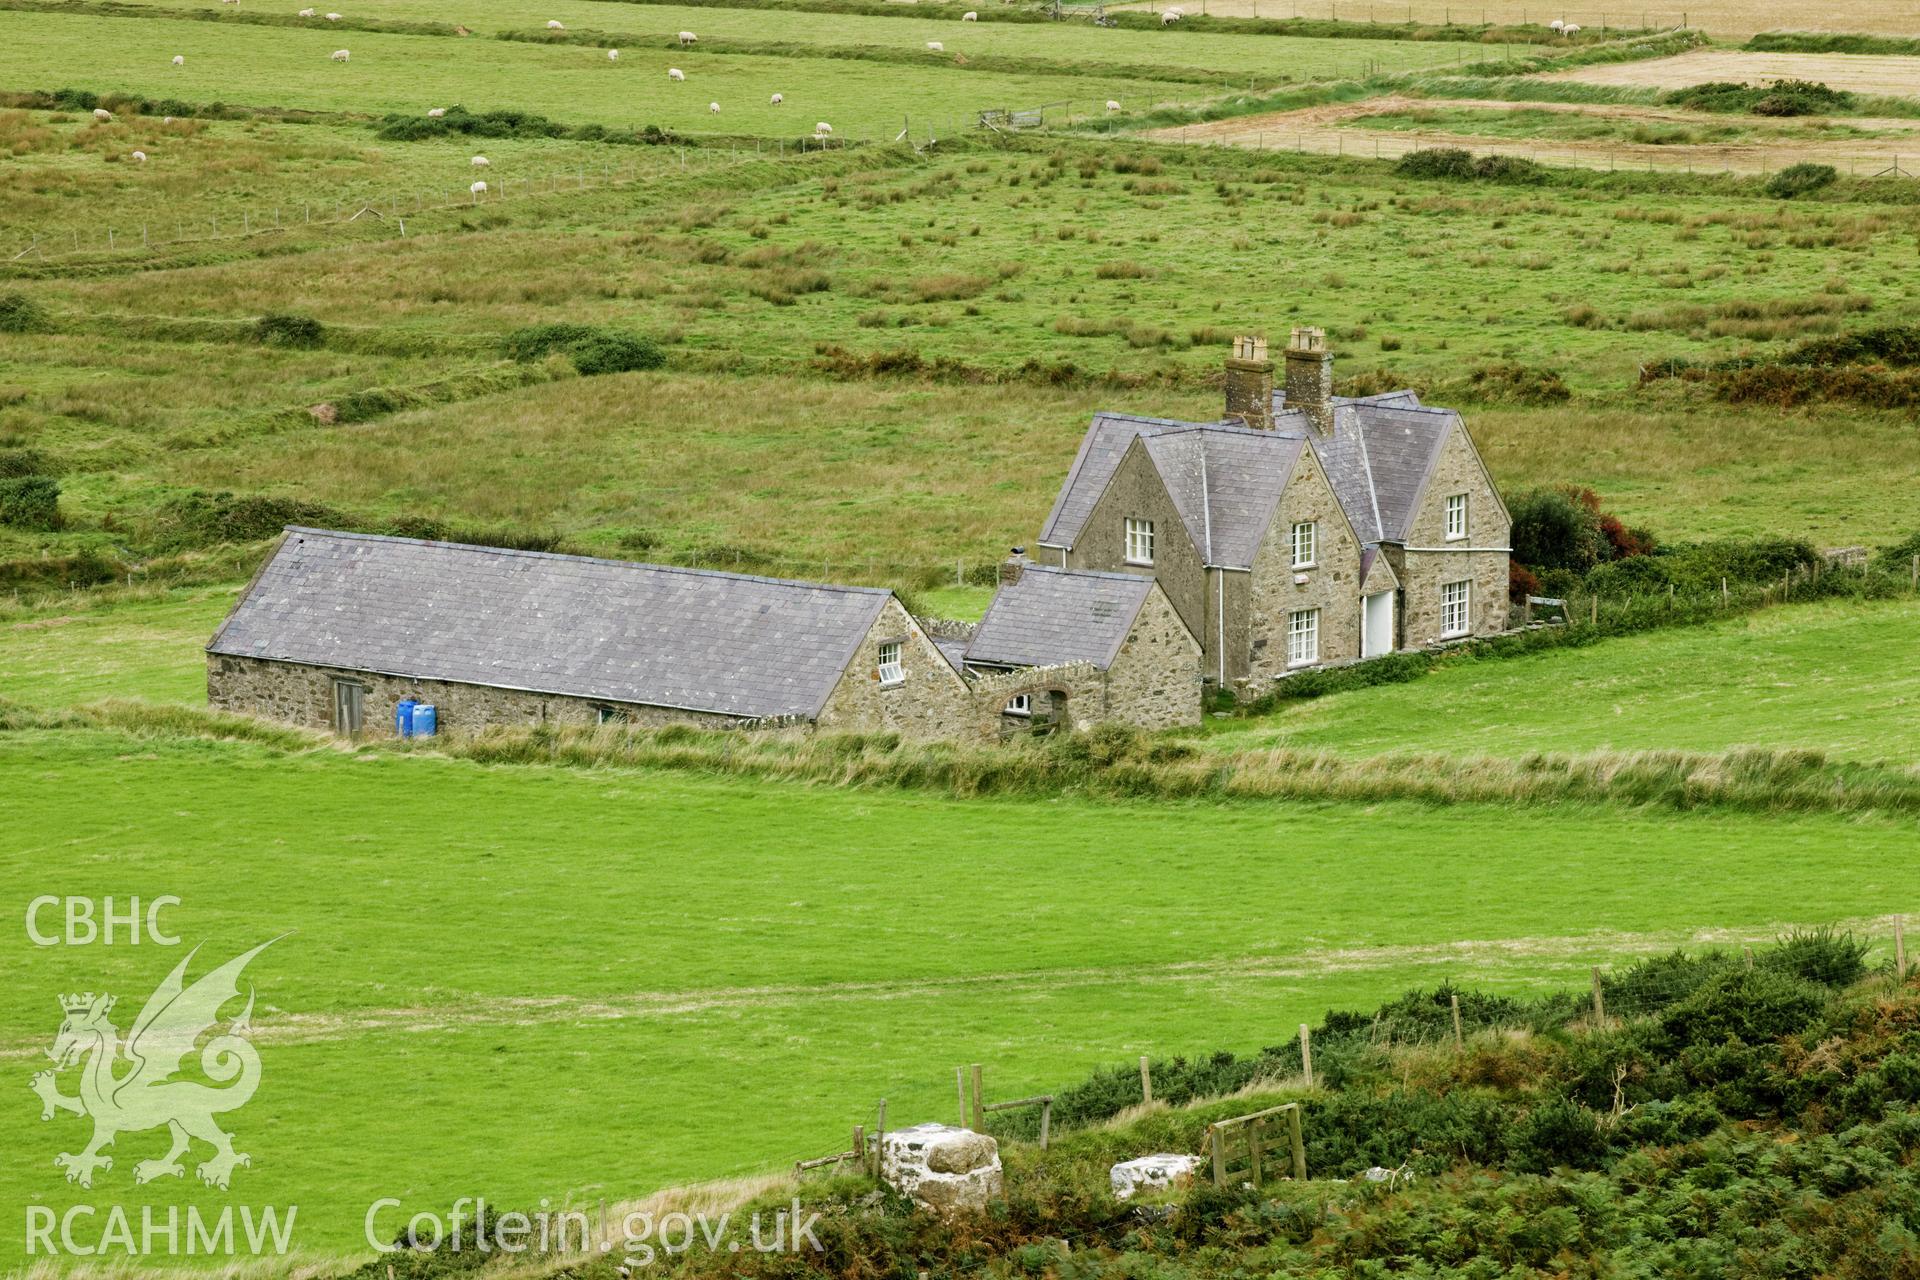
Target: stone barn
column 338, row 628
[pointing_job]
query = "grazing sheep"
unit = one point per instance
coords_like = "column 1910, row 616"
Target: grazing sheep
column 554, row 24
column 140, row 156
column 936, row 46
column 179, row 61
column 713, row 108
column 613, row 55
column 479, row 162
column 478, row 188
column 776, row 99
column 308, row 13
column 1112, row 105
column 970, row 16
column 1571, row 29
column 675, row 73
column 1557, row 25
column 166, row 119
column 1170, row 17
column 102, row 114
column 340, row 55
column 822, row 129
column 333, row 17
column 687, row 38
column 434, row 113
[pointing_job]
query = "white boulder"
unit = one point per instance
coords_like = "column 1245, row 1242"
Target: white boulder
column 1151, row 1173
column 942, row 1168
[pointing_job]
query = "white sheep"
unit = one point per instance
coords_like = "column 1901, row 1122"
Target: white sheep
column 340, row 55
column 333, row 17
column 1557, row 25
column 554, row 24
column 479, row 162
column 1170, row 17
column 308, row 13
column 102, row 114
column 166, row 119
column 687, row 38
column 613, row 55
column 822, row 129
column 1571, row 29
column 776, row 99
column 675, row 73
column 1112, row 105
column 140, row 156
column 970, row 16
column 478, row 188
column 179, row 61
column 434, row 113
column 936, row 46
column 713, row 108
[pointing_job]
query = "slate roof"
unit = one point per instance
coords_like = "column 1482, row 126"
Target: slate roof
column 1383, row 448
column 1059, row 615
column 610, row 629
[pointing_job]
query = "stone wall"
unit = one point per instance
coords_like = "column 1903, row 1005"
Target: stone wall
column 1429, row 560
column 1155, row 682
column 303, row 695
column 1332, row 585
column 931, row 702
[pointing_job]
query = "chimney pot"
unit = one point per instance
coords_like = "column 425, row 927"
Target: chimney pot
column 1310, row 377
column 1250, row 382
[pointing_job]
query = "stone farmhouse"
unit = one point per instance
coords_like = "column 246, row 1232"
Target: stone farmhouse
column 1302, row 529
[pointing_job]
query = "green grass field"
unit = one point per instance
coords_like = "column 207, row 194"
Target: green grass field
column 1833, row 678
column 530, row 982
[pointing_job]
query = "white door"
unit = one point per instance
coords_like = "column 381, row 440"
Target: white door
column 1376, row 627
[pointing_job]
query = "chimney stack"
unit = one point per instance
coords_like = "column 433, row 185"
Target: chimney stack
column 1310, row 377
column 1012, row 567
column 1250, row 383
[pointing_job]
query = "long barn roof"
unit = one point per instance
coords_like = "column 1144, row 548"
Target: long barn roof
column 656, row 635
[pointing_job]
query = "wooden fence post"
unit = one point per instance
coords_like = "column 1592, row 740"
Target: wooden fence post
column 979, row 1111
column 1219, row 1141
column 1306, row 1054
column 1046, row 1122
column 1253, row 1152
column 1459, row 1041
column 860, row 1146
column 1299, row 1144
column 1749, row 955
column 1146, row 1080
column 879, row 1136
column 1900, row 947
column 1599, row 1001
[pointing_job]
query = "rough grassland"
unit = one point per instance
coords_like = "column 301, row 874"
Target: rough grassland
column 1861, row 73
column 526, row 982
column 1835, row 678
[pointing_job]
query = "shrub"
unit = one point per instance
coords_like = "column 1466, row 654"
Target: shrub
column 1799, row 179
column 1753, row 1006
column 1558, row 1133
column 15, row 463
column 21, row 314
column 202, row 519
column 1552, row 530
column 288, row 330
column 1516, row 384
column 590, row 349
column 30, row 502
column 1436, row 162
column 1521, row 582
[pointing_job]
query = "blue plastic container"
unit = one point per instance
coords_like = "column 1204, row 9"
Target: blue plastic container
column 425, row 720
column 403, row 717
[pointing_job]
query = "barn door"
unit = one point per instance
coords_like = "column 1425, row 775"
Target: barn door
column 349, row 706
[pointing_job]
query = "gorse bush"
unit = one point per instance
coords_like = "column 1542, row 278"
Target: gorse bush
column 288, row 330
column 30, row 502
column 590, row 349
column 1781, row 98
column 21, row 314
column 1460, row 165
column 1799, row 179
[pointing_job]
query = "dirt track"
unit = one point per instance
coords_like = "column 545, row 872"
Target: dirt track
column 1724, row 18
column 1861, row 73
column 1323, row 131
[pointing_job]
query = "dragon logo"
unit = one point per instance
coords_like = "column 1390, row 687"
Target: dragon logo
column 129, row 1087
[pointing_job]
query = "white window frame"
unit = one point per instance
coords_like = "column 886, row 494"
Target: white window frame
column 1020, row 704
column 1139, row 548
column 1456, row 507
column 892, row 667
column 1456, row 608
column 1303, row 637
column 1306, row 538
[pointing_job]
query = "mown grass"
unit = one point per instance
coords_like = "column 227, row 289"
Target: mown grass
column 1832, row 678
column 664, row 956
